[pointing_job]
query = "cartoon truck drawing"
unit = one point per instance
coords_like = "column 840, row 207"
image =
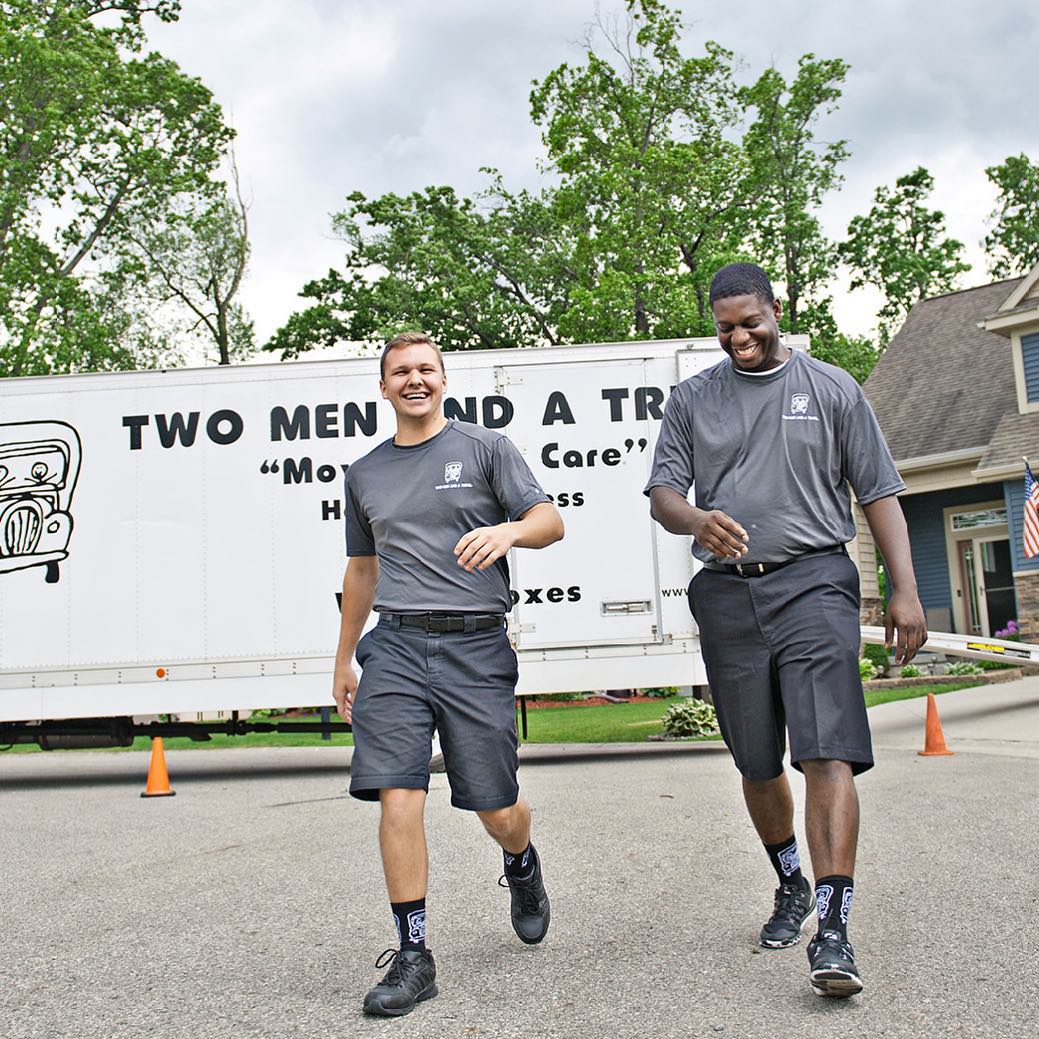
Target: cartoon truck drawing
column 39, row 465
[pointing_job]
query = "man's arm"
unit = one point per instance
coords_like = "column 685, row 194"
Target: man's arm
column 714, row 530
column 904, row 612
column 539, row 526
column 358, row 595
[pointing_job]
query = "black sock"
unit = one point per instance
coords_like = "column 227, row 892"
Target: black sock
column 410, row 918
column 520, row 865
column 833, row 903
column 785, row 860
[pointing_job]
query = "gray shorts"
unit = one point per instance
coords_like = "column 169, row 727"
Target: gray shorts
column 781, row 651
column 461, row 683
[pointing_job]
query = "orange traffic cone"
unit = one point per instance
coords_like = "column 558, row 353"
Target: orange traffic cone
column 934, row 738
column 158, row 784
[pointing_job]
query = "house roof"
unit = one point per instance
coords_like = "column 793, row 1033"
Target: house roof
column 945, row 385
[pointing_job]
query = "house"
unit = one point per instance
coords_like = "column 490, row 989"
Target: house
column 957, row 395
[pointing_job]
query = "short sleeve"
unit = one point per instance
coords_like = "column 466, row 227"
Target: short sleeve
column 514, row 484
column 359, row 538
column 867, row 462
column 673, row 456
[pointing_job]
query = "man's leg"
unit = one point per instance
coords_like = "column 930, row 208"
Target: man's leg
column 832, row 824
column 771, row 808
column 510, row 827
column 402, row 841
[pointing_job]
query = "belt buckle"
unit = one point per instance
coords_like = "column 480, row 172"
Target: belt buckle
column 750, row 569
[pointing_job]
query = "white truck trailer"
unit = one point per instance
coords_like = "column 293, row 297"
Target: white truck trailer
column 171, row 542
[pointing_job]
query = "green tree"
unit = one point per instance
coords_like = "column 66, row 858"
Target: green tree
column 475, row 273
column 900, row 247
column 650, row 187
column 1013, row 244
column 791, row 174
column 92, row 136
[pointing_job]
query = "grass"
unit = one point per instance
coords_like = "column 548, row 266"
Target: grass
column 878, row 696
column 609, row 723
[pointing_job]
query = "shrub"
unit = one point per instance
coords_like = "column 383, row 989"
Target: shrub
column 911, row 671
column 690, row 717
column 661, row 691
column 963, row 667
column 867, row 669
column 994, row 665
column 877, row 656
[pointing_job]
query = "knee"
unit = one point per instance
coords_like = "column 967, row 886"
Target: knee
column 500, row 820
column 826, row 771
column 402, row 807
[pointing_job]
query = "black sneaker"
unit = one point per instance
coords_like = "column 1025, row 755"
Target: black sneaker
column 832, row 961
column 530, row 909
column 410, row 980
column 793, row 905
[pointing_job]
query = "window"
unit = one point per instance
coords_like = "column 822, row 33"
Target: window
column 1030, row 357
column 979, row 518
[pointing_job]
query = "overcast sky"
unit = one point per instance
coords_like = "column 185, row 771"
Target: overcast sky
column 332, row 96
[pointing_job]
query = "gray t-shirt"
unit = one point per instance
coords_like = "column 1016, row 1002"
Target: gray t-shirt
column 410, row 505
column 776, row 452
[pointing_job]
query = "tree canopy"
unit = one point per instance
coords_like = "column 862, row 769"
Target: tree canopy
column 1013, row 243
column 95, row 139
column 659, row 168
column 900, row 246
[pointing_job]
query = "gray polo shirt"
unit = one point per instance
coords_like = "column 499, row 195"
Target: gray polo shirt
column 410, row 505
column 776, row 452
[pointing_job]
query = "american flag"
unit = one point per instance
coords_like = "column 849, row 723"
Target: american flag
column 1031, row 533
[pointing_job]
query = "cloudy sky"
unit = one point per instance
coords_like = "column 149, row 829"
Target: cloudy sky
column 331, row 96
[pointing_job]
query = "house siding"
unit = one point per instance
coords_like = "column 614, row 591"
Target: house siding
column 925, row 519
column 1030, row 357
column 1014, row 495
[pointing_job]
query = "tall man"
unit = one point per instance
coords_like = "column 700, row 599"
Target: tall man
column 430, row 517
column 772, row 439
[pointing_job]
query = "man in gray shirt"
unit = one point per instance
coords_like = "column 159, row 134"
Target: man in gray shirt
column 770, row 439
column 430, row 518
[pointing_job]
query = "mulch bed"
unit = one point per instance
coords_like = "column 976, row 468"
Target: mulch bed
column 591, row 701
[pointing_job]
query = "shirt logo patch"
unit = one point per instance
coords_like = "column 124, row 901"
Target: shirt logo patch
column 799, row 404
column 452, row 477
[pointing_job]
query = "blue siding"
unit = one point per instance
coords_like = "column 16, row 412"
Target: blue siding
column 925, row 520
column 1030, row 356
column 1014, row 495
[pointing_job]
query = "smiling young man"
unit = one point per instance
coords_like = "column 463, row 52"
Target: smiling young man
column 771, row 439
column 430, row 517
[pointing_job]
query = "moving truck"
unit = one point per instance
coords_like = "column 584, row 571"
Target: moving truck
column 171, row 542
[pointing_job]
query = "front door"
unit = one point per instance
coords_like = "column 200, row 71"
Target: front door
column 980, row 568
column 997, row 578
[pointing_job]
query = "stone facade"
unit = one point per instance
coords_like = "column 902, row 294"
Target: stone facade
column 872, row 611
column 1027, row 587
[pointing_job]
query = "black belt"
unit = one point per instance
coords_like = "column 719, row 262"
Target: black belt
column 441, row 622
column 757, row 569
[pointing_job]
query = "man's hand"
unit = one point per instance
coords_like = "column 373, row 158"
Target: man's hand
column 906, row 616
column 720, row 534
column 344, row 688
column 478, row 549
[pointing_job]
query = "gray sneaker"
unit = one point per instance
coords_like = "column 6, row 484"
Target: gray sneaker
column 793, row 905
column 410, row 979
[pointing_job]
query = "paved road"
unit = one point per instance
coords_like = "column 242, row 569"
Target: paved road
column 251, row 905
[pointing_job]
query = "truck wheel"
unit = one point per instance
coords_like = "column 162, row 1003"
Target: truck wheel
column 52, row 573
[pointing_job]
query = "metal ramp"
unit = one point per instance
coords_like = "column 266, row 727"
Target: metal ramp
column 972, row 646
